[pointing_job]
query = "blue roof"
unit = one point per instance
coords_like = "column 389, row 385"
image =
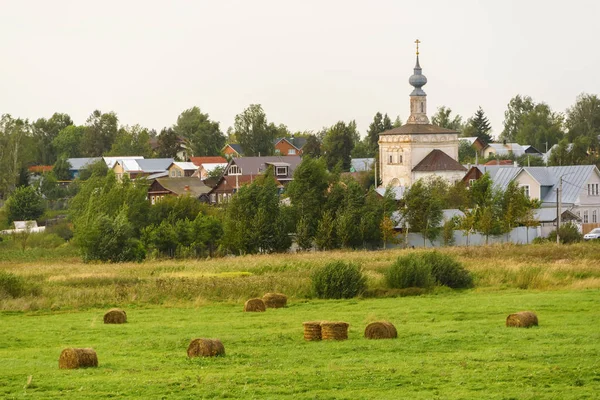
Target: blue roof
column 81, row 163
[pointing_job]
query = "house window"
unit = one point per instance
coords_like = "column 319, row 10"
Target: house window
column 291, row 152
column 179, row 173
column 596, row 186
column 399, row 158
column 594, row 216
column 526, row 190
column 213, row 198
column 471, row 181
column 391, row 159
column 281, row 171
column 585, row 217
column 152, row 199
column 235, row 170
column 422, row 107
column 173, row 174
column 277, row 152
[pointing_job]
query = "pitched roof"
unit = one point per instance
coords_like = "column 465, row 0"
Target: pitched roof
column 180, row 186
column 297, row 142
column 40, row 169
column 574, row 178
column 154, row 164
column 186, row 166
column 437, row 160
column 258, row 165
column 416, row 129
column 398, row 191
column 548, row 214
column 209, row 159
column 500, row 162
column 504, row 176
column 361, row 164
column 235, row 147
column 231, row 182
column 111, row 161
column 82, row 162
column 505, row 149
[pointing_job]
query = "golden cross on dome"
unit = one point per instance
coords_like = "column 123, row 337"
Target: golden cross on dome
column 417, row 42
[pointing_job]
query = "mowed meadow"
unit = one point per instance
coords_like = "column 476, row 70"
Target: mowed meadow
column 452, row 344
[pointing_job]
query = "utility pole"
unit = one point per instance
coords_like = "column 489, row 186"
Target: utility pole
column 558, row 209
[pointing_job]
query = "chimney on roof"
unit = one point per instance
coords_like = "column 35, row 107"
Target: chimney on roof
column 186, row 188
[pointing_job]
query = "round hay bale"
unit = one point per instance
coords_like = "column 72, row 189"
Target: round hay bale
column 312, row 330
column 381, row 330
column 115, row 316
column 205, row 348
column 334, row 330
column 523, row 319
column 77, row 358
column 275, row 300
column 254, row 305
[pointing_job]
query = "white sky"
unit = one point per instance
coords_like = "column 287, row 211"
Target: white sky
column 309, row 63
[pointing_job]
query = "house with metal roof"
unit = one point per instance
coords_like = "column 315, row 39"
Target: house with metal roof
column 134, row 168
column 179, row 169
column 184, row 186
column 289, row 146
column 505, row 149
column 232, row 150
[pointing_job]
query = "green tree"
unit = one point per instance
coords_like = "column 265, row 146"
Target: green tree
column 375, row 128
column 443, row 119
column 203, row 135
column 61, row 169
column 44, row 132
column 518, row 106
column 583, row 120
column 423, row 211
column 397, row 122
column 254, row 133
column 479, row 126
column 325, row 237
column 486, row 201
column 132, row 141
column 24, row 204
column 99, row 134
column 540, row 127
column 312, row 147
column 14, row 135
column 168, row 144
column 466, row 152
column 68, row 141
column 338, row 144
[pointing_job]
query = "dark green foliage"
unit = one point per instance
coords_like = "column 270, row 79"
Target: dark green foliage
column 62, row 229
column 202, row 135
column 68, row 141
column 98, row 168
column 99, row 134
column 168, row 144
column 338, row 144
column 479, row 126
column 338, row 280
column 61, row 169
column 14, row 286
column 129, row 141
column 254, row 133
column 409, row 271
column 568, row 234
column 24, row 204
column 312, row 148
column 426, row 269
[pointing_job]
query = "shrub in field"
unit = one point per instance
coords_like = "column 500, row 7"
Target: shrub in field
column 426, row 269
column 568, row 234
column 409, row 271
column 338, row 280
column 15, row 286
column 448, row 271
column 62, row 229
column 45, row 240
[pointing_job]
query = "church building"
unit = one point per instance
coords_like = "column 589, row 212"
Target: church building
column 418, row 149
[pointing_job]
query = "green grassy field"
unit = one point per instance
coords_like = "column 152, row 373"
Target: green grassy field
column 451, row 345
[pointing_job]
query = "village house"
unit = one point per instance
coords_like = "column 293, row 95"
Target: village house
column 184, row 186
column 289, row 146
column 206, row 165
column 135, row 168
column 180, row 169
column 506, row 149
column 232, row 150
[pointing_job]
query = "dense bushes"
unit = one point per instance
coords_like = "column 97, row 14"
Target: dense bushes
column 16, row 286
column 568, row 234
column 338, row 280
column 427, row 269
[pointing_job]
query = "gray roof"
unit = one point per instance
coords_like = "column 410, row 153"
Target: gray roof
column 161, row 174
column 81, row 163
column 154, row 164
column 187, row 185
column 504, row 176
column 542, row 175
column 397, row 190
column 258, row 165
column 548, row 214
column 362, row 164
column 493, row 169
column 505, row 149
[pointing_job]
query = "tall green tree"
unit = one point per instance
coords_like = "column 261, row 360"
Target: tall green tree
column 486, row 201
column 540, row 127
column 423, row 209
column 99, row 134
column 312, row 147
column 583, row 120
column 168, row 144
column 24, row 204
column 479, row 126
column 517, row 107
column 338, row 144
column 62, row 168
column 254, row 133
column 68, row 141
column 14, row 149
column 444, row 119
column 203, row 135
column 132, row 141
column 44, row 132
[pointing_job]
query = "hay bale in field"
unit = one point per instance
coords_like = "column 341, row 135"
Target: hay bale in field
column 205, row 348
column 275, row 300
column 115, row 316
column 381, row 330
column 312, row 330
column 523, row 319
column 77, row 358
column 334, row 330
column 254, row 305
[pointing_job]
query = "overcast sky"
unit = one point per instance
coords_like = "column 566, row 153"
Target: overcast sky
column 309, row 63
